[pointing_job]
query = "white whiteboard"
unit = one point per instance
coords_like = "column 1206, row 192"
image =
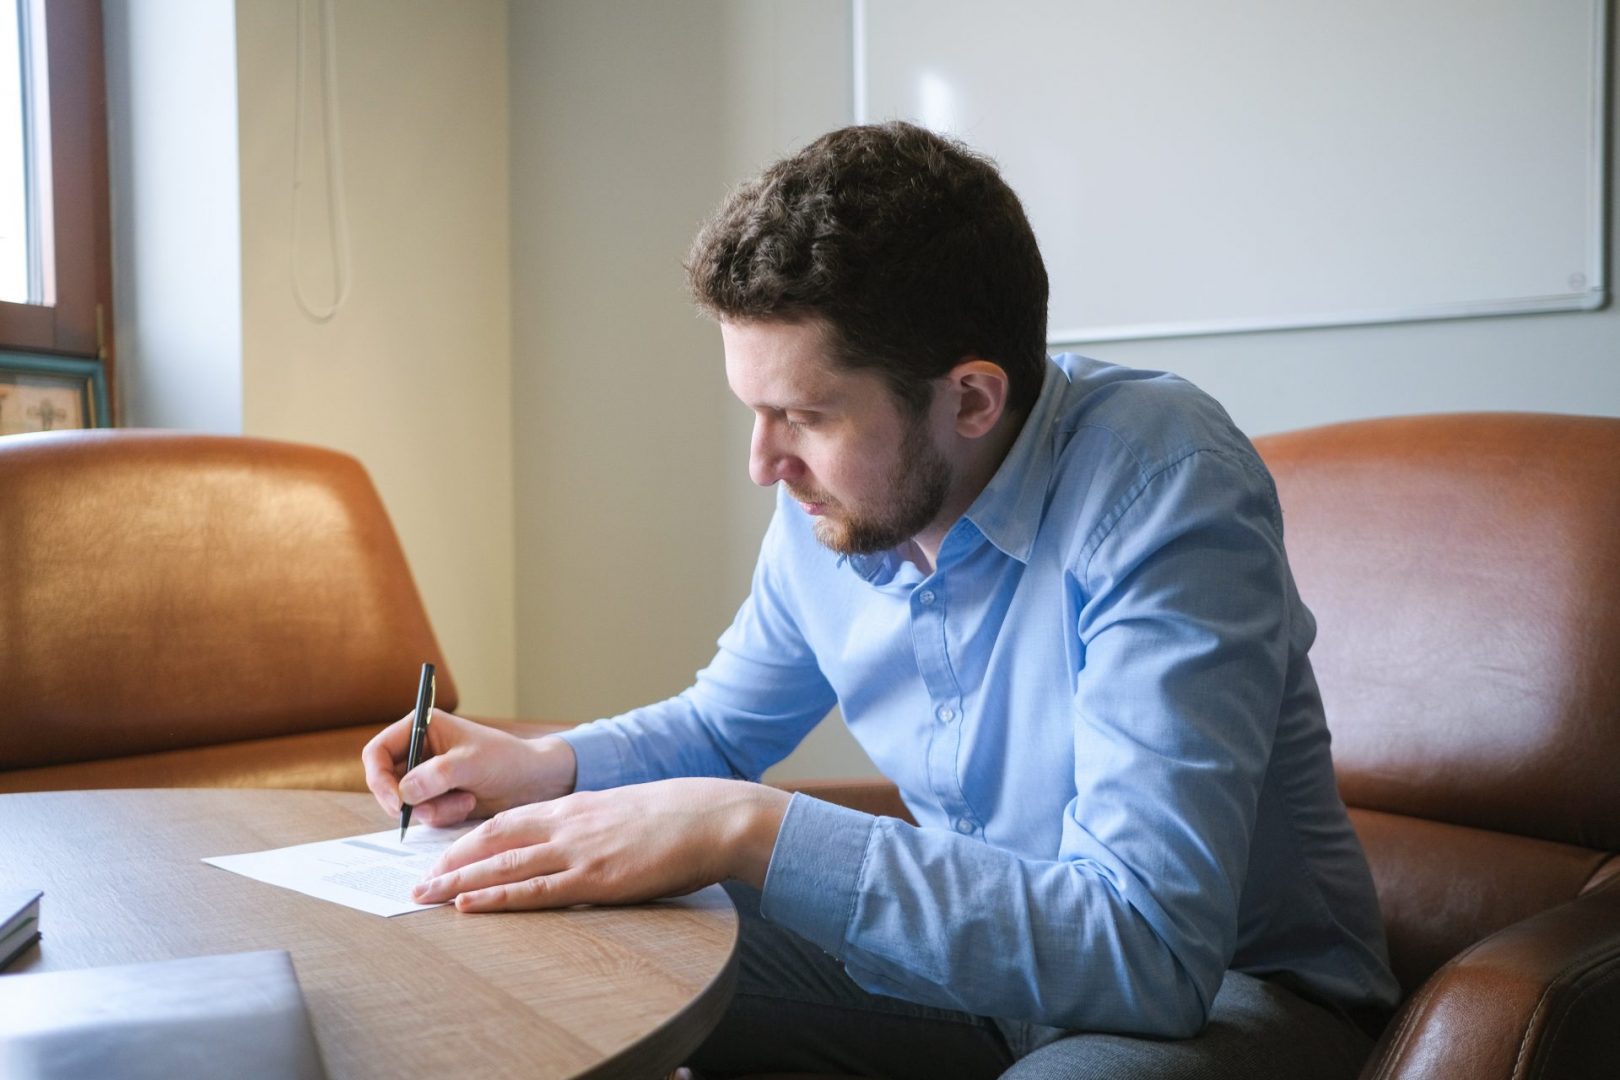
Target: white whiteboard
column 1204, row 167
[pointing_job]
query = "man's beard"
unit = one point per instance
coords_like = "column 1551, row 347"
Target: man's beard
column 921, row 481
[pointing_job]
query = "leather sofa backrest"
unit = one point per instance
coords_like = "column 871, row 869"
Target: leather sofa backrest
column 161, row 590
column 1464, row 571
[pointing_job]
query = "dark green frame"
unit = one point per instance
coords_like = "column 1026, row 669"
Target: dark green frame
column 94, row 385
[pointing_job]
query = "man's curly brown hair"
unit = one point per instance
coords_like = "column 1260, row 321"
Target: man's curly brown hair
column 908, row 246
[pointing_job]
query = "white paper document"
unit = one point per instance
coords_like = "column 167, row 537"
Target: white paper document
column 372, row 873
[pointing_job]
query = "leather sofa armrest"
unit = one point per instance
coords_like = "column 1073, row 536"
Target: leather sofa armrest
column 1538, row 998
column 875, row 796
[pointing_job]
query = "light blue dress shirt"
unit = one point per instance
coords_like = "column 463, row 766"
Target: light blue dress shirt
column 1099, row 709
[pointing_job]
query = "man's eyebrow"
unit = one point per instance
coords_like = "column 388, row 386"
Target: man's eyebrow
column 802, row 404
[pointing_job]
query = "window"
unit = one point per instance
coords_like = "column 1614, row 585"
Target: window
column 55, row 254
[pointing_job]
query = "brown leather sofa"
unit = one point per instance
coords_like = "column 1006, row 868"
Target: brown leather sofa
column 1465, row 575
column 193, row 610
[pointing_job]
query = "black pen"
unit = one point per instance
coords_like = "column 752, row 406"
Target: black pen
column 419, row 726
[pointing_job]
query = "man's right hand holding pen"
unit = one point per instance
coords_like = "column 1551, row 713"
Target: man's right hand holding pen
column 474, row 770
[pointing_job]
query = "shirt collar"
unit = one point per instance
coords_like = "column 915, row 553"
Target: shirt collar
column 880, row 569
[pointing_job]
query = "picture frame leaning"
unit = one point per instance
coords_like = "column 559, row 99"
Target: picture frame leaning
column 51, row 393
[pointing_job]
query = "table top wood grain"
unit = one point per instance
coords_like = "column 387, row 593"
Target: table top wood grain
column 585, row 992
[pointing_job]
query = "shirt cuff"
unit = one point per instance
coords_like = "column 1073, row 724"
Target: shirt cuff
column 815, row 868
column 597, row 764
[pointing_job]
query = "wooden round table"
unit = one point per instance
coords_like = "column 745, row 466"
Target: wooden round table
column 587, row 992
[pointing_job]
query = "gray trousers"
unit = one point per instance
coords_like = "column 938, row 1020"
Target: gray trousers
column 795, row 1010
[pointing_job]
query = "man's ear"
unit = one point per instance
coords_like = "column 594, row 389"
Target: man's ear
column 979, row 389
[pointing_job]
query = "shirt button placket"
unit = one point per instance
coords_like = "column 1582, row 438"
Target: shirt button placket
column 933, row 661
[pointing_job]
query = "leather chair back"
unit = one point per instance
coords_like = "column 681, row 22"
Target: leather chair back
column 162, row 591
column 1465, row 575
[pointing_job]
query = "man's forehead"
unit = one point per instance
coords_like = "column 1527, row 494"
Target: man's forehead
column 786, row 365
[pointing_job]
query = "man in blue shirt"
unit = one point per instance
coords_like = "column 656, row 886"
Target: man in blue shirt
column 1051, row 599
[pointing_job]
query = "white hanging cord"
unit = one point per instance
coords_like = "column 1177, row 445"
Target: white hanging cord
column 337, row 218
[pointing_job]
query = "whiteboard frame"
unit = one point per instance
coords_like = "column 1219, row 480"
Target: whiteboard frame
column 1594, row 297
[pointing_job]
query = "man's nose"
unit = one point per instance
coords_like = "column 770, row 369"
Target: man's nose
column 767, row 461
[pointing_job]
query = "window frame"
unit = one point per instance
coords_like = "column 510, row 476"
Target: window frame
column 80, row 323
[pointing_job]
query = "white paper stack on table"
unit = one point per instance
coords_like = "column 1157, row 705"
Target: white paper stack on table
column 240, row 1016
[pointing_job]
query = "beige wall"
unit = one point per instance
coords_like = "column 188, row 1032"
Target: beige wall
column 412, row 374
column 636, row 523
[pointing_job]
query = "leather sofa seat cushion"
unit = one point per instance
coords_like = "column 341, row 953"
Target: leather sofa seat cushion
column 1443, row 887
column 327, row 760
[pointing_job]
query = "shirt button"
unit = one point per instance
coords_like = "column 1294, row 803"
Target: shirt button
column 946, row 714
column 964, row 826
column 927, row 597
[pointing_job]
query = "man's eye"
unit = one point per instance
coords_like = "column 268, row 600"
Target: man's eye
column 799, row 423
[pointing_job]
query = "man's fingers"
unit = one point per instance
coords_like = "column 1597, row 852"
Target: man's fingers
column 382, row 786
column 441, row 732
column 380, row 757
column 392, row 741
column 527, row 895
column 502, row 836
column 451, row 808
column 511, row 867
column 433, row 777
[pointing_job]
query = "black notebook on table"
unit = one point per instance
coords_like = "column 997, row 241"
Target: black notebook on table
column 19, row 922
